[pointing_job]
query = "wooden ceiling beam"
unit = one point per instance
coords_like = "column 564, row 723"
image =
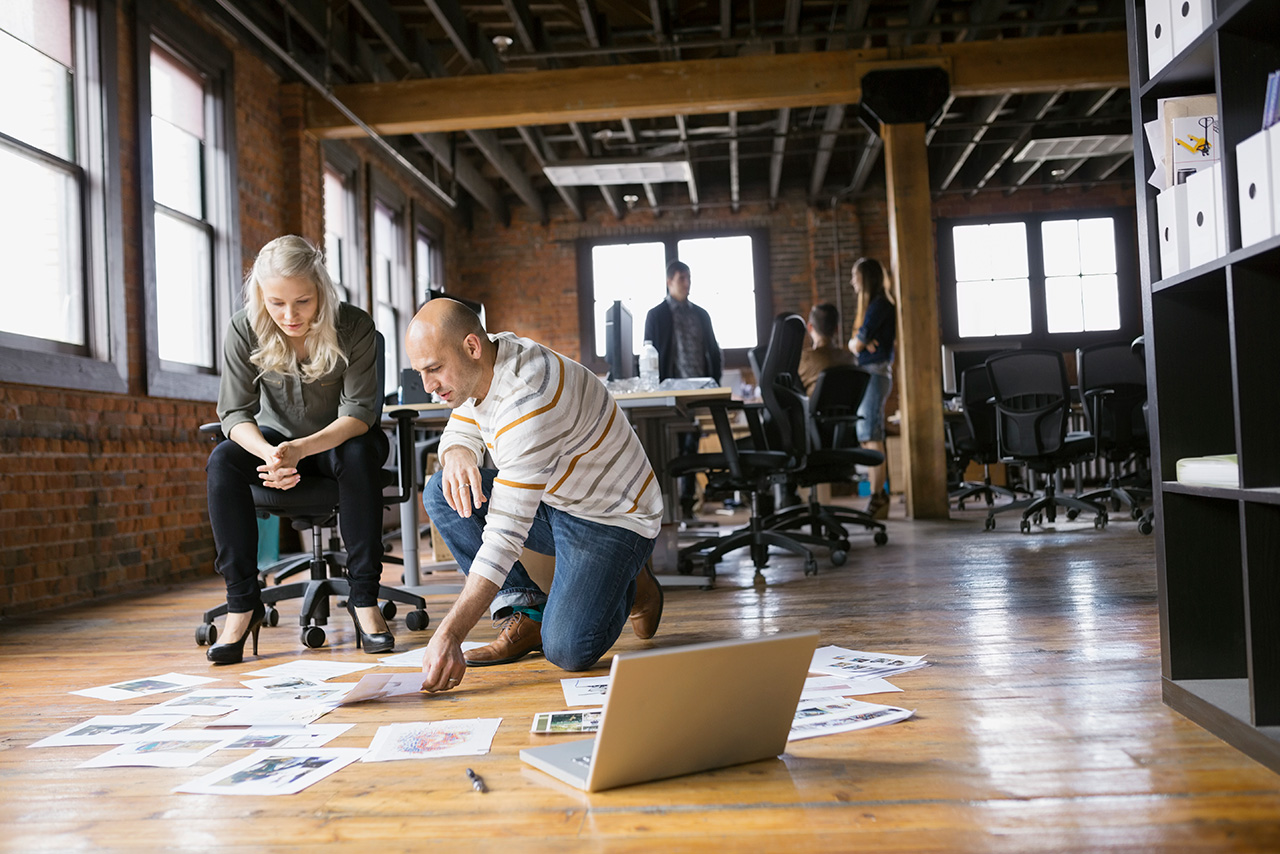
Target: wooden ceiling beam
column 699, row 87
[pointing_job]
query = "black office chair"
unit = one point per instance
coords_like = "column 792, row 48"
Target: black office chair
column 979, row 442
column 1033, row 411
column 834, row 457
column 313, row 505
column 757, row 465
column 1112, row 379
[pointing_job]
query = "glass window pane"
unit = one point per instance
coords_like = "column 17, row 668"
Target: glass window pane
column 995, row 251
column 335, row 228
column 184, row 291
column 43, row 24
column 722, row 280
column 993, row 308
column 384, row 253
column 177, row 93
column 41, row 246
column 38, row 109
column 635, row 273
column 176, row 169
column 1063, row 305
column 1061, row 241
column 1101, row 298
column 1097, row 246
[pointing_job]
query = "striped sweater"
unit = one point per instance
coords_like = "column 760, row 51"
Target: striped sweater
column 556, row 436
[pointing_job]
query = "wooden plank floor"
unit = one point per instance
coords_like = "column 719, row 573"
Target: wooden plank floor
column 1039, row 725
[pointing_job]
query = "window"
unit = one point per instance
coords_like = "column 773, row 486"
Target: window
column 1054, row 280
column 428, row 263
column 342, row 252
column 727, row 275
column 392, row 291
column 190, row 234
column 64, row 318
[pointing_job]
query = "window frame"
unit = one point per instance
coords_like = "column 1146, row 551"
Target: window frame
column 1127, row 282
column 731, row 358
column 101, row 363
column 339, row 157
column 385, row 192
column 428, row 226
column 184, row 39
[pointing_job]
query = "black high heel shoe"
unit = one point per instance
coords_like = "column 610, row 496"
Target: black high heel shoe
column 233, row 653
column 372, row 643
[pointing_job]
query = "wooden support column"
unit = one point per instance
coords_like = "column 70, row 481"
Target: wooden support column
column 919, row 341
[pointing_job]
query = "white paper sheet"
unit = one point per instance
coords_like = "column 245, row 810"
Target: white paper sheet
column 297, row 708
column 829, row 718
column 208, row 702
column 281, row 683
column 413, row 657
column 851, row 663
column 380, row 686
column 133, row 688
column 173, row 749
column 433, row 739
column 833, row 686
column 317, row 671
column 274, row 772
column 272, row 737
column 109, row 729
column 586, row 691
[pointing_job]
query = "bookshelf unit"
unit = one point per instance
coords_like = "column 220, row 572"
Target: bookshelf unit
column 1213, row 370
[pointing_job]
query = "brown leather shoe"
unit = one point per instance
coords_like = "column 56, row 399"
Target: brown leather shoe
column 646, row 612
column 520, row 636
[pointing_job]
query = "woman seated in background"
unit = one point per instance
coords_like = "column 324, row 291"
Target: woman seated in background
column 872, row 344
column 298, row 399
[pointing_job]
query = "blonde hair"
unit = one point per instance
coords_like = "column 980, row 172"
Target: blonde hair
column 293, row 257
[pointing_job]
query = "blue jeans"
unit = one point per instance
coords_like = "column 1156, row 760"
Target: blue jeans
column 871, row 410
column 594, row 584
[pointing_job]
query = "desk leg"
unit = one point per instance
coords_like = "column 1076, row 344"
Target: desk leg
column 409, row 538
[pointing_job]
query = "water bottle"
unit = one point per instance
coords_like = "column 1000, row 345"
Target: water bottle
column 649, row 367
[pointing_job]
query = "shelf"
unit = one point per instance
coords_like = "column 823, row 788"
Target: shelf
column 1267, row 495
column 1222, row 707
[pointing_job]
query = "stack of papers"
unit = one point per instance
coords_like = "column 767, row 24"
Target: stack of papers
column 1216, row 470
column 853, row 664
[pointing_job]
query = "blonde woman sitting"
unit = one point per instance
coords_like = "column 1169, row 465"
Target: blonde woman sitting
column 298, row 399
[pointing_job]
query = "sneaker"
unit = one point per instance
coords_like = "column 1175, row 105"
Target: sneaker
column 878, row 506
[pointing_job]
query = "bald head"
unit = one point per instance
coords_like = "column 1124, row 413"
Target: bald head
column 448, row 346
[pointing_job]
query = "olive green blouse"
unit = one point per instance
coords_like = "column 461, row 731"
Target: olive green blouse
column 285, row 403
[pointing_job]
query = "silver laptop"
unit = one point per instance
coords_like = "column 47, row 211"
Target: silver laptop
column 687, row 709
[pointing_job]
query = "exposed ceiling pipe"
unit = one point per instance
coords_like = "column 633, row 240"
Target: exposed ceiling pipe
column 324, row 92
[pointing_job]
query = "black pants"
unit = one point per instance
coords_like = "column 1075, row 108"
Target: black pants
column 356, row 464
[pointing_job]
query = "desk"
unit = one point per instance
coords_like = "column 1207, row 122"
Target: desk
column 656, row 416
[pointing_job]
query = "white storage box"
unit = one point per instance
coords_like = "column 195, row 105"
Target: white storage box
column 1159, row 36
column 1273, row 149
column 1171, row 217
column 1254, row 183
column 1190, row 19
column 1203, row 222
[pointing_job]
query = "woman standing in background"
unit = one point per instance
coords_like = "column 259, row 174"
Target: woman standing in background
column 872, row 345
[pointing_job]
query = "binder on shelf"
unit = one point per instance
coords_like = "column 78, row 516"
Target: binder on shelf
column 1203, row 222
column 1190, row 19
column 1159, row 36
column 1255, row 189
column 1213, row 470
column 1171, row 219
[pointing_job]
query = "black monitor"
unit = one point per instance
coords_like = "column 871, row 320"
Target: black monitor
column 618, row 346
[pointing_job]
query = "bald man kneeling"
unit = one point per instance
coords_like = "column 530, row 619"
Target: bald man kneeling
column 570, row 480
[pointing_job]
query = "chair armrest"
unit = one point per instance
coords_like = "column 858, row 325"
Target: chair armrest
column 719, row 410
column 405, row 456
column 213, row 431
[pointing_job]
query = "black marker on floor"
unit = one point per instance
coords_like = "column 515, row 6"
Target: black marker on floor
column 476, row 782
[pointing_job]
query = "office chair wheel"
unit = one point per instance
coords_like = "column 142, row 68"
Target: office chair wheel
column 1137, row 514
column 838, row 557
column 206, row 634
column 1100, row 521
column 1025, row 527
column 312, row 637
column 810, row 566
column 960, row 504
column 989, row 525
column 881, row 537
column 272, row 617
column 1145, row 526
column 388, row 610
column 416, row 621
column 1072, row 514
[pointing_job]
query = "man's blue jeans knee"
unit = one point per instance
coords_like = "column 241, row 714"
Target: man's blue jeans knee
column 594, row 584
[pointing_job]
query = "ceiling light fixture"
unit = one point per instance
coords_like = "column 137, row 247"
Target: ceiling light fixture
column 595, row 172
column 1076, row 147
column 502, row 43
